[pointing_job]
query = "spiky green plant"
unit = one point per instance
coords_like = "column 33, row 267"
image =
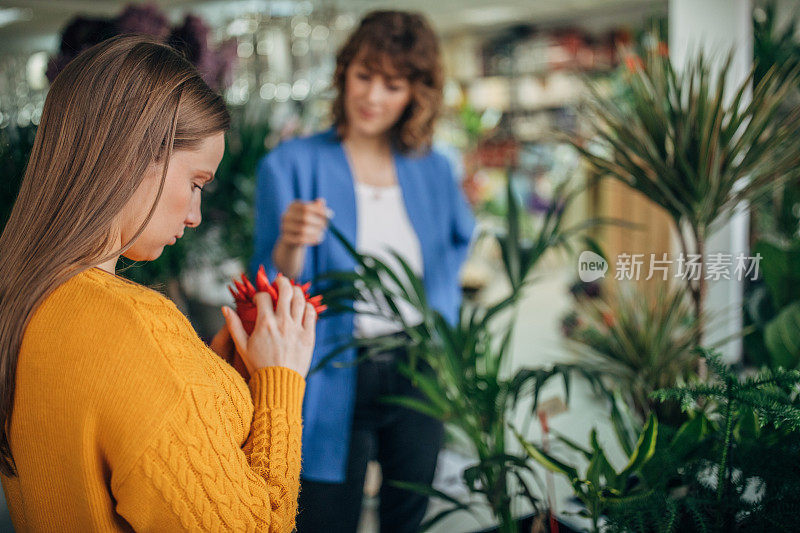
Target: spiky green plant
column 742, row 433
column 467, row 387
column 768, row 399
column 645, row 343
column 695, row 144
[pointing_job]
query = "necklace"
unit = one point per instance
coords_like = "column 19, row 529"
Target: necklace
column 376, row 192
column 386, row 175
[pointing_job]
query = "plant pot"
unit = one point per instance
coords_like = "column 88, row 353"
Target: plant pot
column 525, row 523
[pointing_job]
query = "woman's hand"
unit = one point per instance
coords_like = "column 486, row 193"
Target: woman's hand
column 283, row 337
column 304, row 223
column 223, row 345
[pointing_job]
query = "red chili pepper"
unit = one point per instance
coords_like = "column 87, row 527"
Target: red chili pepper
column 245, row 292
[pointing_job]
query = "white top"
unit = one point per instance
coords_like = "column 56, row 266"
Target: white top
column 383, row 225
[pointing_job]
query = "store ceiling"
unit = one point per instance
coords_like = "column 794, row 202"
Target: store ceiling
column 30, row 24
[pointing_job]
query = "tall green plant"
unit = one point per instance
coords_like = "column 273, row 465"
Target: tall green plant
column 773, row 302
column 467, row 387
column 768, row 399
column 770, row 394
column 645, row 343
column 694, row 144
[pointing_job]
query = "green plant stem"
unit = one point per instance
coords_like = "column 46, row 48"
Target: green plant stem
column 699, row 296
column 499, row 499
column 696, row 291
column 507, row 522
column 723, row 474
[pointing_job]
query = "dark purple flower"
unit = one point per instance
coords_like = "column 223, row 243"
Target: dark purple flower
column 539, row 204
column 80, row 34
column 83, row 32
column 56, row 64
column 144, row 18
column 586, row 289
column 191, row 39
column 569, row 324
column 225, row 59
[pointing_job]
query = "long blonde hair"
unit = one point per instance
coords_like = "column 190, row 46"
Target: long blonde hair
column 114, row 110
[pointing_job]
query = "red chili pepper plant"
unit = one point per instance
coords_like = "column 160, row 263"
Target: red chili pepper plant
column 245, row 292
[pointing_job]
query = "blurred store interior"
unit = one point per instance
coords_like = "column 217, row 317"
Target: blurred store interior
column 518, row 75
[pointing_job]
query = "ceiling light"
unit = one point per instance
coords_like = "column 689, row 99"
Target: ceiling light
column 9, row 15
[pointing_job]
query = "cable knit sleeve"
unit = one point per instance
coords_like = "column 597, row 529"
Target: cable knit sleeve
column 193, row 476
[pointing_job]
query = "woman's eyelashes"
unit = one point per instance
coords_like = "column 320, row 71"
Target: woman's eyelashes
column 365, row 76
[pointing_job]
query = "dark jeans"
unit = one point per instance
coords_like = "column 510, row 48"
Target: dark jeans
column 405, row 443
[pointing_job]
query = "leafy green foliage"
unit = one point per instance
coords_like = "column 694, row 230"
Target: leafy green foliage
column 771, row 338
column 772, row 304
column 732, row 466
column 601, row 486
column 685, row 139
column 15, row 148
column 782, row 337
column 774, row 41
column 770, row 393
column 695, row 145
column 459, row 367
column 780, row 268
column 645, row 343
column 228, row 204
column 758, row 414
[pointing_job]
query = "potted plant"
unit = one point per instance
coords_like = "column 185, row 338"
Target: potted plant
column 732, row 466
column 468, row 388
column 643, row 342
column 691, row 142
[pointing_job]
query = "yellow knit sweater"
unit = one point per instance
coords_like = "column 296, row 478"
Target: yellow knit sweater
column 124, row 419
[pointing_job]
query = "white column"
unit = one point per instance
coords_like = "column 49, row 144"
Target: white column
column 717, row 27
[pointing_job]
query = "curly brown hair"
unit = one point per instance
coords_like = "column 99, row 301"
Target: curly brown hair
column 407, row 43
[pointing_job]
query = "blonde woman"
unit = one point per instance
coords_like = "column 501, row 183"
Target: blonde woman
column 116, row 416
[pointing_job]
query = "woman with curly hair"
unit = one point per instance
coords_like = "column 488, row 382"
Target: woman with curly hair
column 375, row 172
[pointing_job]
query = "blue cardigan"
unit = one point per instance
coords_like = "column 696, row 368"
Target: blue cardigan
column 316, row 167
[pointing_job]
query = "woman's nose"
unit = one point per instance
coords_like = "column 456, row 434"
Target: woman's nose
column 375, row 91
column 194, row 217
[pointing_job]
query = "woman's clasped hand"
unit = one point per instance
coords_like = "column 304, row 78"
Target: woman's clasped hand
column 282, row 337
